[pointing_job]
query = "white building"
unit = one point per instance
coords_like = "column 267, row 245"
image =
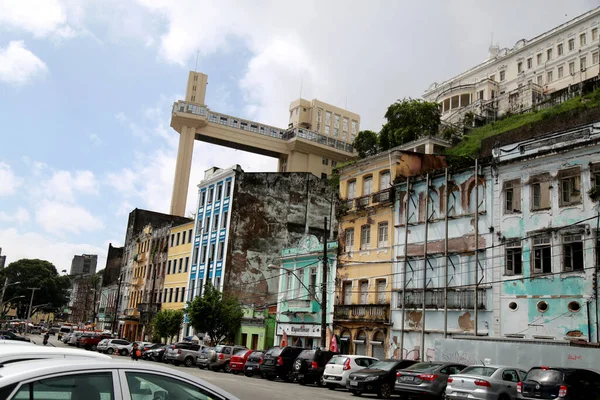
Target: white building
column 530, row 72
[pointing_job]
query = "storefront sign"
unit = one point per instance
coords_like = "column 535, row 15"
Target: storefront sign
column 303, row 330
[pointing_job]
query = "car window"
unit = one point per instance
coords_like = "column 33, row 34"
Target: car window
column 510, row 376
column 158, row 387
column 338, row 360
column 195, row 347
column 307, row 354
column 423, row 367
column 479, row 370
column 90, row 386
column 226, row 350
column 364, row 362
column 545, row 375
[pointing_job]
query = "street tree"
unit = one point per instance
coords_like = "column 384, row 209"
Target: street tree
column 167, row 323
column 53, row 292
column 365, row 143
column 217, row 314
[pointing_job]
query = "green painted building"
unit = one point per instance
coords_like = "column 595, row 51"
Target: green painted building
column 258, row 328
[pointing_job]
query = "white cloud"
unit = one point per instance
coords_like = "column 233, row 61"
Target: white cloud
column 17, row 244
column 19, row 65
column 95, row 139
column 41, row 18
column 64, row 185
column 9, row 182
column 20, row 216
column 59, row 218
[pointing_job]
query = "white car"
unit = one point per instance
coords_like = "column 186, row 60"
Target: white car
column 73, row 338
column 10, row 354
column 18, row 342
column 111, row 346
column 340, row 366
column 96, row 380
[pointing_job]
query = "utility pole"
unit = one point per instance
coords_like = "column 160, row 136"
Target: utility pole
column 116, row 303
column 2, row 295
column 30, row 305
column 324, row 290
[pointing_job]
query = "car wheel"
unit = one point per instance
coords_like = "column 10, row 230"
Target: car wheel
column 94, row 347
column 270, row 377
column 302, row 381
column 123, row 352
column 356, row 392
column 331, row 386
column 227, row 368
column 320, row 381
column 385, row 391
column 110, row 351
column 188, row 362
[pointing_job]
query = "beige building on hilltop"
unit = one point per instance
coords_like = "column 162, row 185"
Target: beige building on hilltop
column 318, row 136
column 532, row 71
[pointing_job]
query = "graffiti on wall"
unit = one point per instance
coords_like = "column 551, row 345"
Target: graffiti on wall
column 409, row 354
column 458, row 356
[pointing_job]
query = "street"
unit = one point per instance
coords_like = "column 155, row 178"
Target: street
column 239, row 385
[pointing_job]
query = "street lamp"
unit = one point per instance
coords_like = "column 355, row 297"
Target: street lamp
column 6, row 284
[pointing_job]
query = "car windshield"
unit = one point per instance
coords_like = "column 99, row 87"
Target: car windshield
column 423, row 367
column 383, row 365
column 545, row 375
column 479, row 370
column 307, row 354
column 274, row 351
column 219, row 349
column 256, row 355
column 337, row 360
column 241, row 353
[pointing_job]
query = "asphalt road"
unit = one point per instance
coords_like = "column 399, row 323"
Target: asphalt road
column 246, row 388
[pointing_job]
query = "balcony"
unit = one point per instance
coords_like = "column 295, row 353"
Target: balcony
column 362, row 202
column 137, row 281
column 300, row 306
column 147, row 307
column 363, row 313
column 434, row 299
column 383, row 196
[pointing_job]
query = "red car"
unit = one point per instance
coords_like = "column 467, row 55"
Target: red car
column 238, row 360
column 89, row 342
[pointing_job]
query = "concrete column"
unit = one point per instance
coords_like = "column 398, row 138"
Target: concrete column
column 182, row 170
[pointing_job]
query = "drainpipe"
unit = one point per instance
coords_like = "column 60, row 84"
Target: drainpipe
column 446, row 257
column 425, row 266
column 403, row 305
column 475, row 318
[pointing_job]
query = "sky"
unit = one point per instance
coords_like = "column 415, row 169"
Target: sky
column 86, row 89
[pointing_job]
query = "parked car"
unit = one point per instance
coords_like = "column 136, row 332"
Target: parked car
column 129, row 348
column 74, row 338
column 93, row 379
column 91, row 342
column 111, row 346
column 35, row 330
column 151, row 353
column 8, row 335
column 183, row 352
column 82, row 338
column 65, row 339
column 340, row 367
column 238, row 361
column 252, row 366
column 310, row 365
column 222, row 356
column 426, row 378
column 280, row 362
column 379, row 378
column 563, row 383
column 203, row 359
column 485, row 382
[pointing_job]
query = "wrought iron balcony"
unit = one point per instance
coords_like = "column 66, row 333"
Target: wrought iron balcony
column 363, row 201
column 383, row 196
column 363, row 312
column 463, row 299
column 147, row 307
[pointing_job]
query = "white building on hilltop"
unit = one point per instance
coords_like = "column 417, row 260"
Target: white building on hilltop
column 534, row 70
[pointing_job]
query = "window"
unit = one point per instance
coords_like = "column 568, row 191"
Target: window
column 582, row 40
column 210, row 195
column 299, row 283
column 228, row 189
column 176, row 294
column 207, row 225
column 216, row 223
column 572, row 253
column 349, row 240
column 327, row 129
column 221, row 250
column 365, row 237
column 211, row 254
column 180, row 265
column 548, row 54
column 572, row 67
column 345, row 125
column 595, row 59
column 187, row 262
column 381, row 283
column 161, row 386
column 367, row 185
column 542, row 255
column 502, row 76
column 203, row 257
column 540, row 80
column 72, row 386
column 351, row 190
column 333, row 164
column 312, row 283
column 168, row 267
column 172, row 239
column 540, row 192
column 570, row 186
column 354, row 125
column 560, row 72
column 224, row 219
column 583, row 63
column 539, row 59
column 288, row 286
column 513, row 264
column 549, row 77
column 195, row 256
column 337, row 121
column 347, row 292
column 594, row 34
column 384, row 180
column 327, row 118
column 219, row 192
column 383, row 234
column 182, row 298
column 364, row 292
column 190, row 236
column 559, row 49
column 325, row 161
column 202, row 198
column 571, row 44
column 519, row 67
column 512, row 197
column 183, row 238
column 170, row 295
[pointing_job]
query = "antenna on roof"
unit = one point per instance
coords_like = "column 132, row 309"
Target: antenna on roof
column 197, row 56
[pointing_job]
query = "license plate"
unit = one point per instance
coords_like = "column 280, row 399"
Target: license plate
column 408, row 378
column 249, row 368
column 462, row 394
column 352, row 383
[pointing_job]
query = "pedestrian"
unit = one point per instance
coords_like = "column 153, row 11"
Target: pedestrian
column 136, row 353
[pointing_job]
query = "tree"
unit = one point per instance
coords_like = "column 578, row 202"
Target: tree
column 407, row 120
column 53, row 291
column 216, row 314
column 167, row 323
column 366, row 144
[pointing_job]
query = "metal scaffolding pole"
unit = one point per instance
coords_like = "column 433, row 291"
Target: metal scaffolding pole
column 446, row 257
column 406, row 216
column 425, row 262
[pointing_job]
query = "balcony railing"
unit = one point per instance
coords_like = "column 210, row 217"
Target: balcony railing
column 457, row 299
column 363, row 201
column 363, row 312
column 147, row 307
column 383, row 196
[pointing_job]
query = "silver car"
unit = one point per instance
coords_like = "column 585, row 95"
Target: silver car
column 112, row 346
column 96, row 379
column 485, row 382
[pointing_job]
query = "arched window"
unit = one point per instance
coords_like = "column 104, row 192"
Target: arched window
column 360, row 343
column 345, row 342
column 378, row 345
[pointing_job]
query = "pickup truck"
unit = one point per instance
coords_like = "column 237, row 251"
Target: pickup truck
column 91, row 342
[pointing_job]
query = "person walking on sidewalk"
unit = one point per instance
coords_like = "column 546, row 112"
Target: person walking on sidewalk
column 136, row 353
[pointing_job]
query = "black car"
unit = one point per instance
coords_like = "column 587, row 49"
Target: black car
column 280, row 362
column 310, row 365
column 379, row 378
column 8, row 335
column 563, row 383
column 252, row 366
column 154, row 352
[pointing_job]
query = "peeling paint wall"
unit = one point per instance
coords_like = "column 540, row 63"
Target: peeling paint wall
column 270, row 212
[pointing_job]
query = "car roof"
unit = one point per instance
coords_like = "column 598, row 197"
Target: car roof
column 353, row 356
column 18, row 372
column 494, row 366
column 14, row 353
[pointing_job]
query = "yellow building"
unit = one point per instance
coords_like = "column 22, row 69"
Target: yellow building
column 178, row 266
